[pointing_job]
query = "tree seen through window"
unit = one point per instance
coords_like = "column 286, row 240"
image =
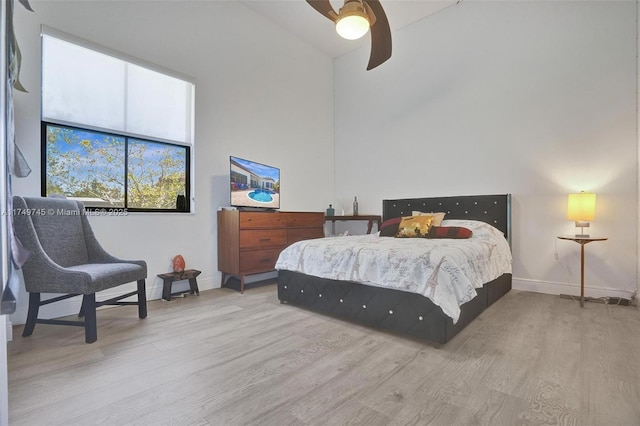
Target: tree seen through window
column 92, row 166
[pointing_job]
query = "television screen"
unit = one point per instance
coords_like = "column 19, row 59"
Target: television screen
column 253, row 184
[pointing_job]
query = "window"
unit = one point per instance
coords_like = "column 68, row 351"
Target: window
column 112, row 171
column 115, row 133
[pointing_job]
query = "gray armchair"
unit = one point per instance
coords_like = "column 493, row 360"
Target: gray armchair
column 67, row 258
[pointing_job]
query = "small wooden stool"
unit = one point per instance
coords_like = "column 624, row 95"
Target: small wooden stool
column 169, row 277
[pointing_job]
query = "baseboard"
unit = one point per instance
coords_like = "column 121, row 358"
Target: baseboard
column 557, row 288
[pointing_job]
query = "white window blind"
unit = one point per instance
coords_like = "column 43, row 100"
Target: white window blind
column 89, row 88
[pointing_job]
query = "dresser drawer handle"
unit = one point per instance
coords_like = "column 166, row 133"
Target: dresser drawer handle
column 265, row 260
column 264, row 240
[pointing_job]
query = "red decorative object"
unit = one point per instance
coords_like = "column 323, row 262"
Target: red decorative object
column 178, row 263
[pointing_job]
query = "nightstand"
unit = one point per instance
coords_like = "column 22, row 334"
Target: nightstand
column 582, row 241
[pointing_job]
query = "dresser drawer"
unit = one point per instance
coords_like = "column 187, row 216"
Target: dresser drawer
column 304, row 220
column 299, row 234
column 249, row 220
column 257, row 238
column 259, row 260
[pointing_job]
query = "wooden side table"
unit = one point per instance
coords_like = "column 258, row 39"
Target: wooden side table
column 170, row 277
column 582, row 241
column 369, row 218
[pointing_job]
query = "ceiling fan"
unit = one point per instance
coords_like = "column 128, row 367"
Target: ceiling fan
column 354, row 19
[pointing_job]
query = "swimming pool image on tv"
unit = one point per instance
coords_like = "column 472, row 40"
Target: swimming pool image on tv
column 261, row 196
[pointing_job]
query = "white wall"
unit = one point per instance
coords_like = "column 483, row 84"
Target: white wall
column 536, row 99
column 261, row 94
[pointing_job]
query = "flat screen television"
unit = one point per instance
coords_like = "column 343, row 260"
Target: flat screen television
column 254, row 186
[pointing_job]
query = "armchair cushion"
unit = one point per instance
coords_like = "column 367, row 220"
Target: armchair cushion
column 100, row 276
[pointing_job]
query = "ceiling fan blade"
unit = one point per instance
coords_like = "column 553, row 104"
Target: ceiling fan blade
column 380, row 36
column 324, row 7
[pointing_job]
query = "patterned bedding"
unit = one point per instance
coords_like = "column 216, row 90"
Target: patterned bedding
column 447, row 271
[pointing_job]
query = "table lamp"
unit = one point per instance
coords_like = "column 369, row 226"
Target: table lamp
column 581, row 208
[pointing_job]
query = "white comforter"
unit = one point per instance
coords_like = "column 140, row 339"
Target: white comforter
column 447, row 271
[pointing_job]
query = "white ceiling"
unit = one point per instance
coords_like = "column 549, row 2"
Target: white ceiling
column 299, row 18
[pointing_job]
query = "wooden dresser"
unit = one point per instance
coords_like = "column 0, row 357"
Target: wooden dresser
column 250, row 242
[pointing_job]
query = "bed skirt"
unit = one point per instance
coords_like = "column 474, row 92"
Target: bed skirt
column 384, row 308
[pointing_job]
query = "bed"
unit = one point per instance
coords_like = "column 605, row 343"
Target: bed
column 399, row 310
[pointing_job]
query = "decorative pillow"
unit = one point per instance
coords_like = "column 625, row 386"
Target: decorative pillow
column 437, row 217
column 414, row 227
column 389, row 227
column 449, row 232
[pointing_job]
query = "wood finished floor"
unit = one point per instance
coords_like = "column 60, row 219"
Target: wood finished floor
column 228, row 359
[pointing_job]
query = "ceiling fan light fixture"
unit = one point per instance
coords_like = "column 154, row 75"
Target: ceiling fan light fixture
column 352, row 22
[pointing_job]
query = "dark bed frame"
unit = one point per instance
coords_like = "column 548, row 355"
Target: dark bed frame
column 396, row 310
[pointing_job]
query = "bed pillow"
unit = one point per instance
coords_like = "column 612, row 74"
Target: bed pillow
column 414, row 227
column 457, row 232
column 437, row 217
column 389, row 227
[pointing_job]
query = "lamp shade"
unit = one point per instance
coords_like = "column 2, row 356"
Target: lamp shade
column 581, row 207
column 352, row 22
column 352, row 27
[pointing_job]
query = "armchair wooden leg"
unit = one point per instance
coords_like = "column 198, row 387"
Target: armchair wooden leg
column 32, row 314
column 142, row 299
column 90, row 323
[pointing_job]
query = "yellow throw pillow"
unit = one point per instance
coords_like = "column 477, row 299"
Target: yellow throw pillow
column 414, row 227
column 437, row 217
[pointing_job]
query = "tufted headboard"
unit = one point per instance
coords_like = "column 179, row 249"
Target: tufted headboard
column 493, row 209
